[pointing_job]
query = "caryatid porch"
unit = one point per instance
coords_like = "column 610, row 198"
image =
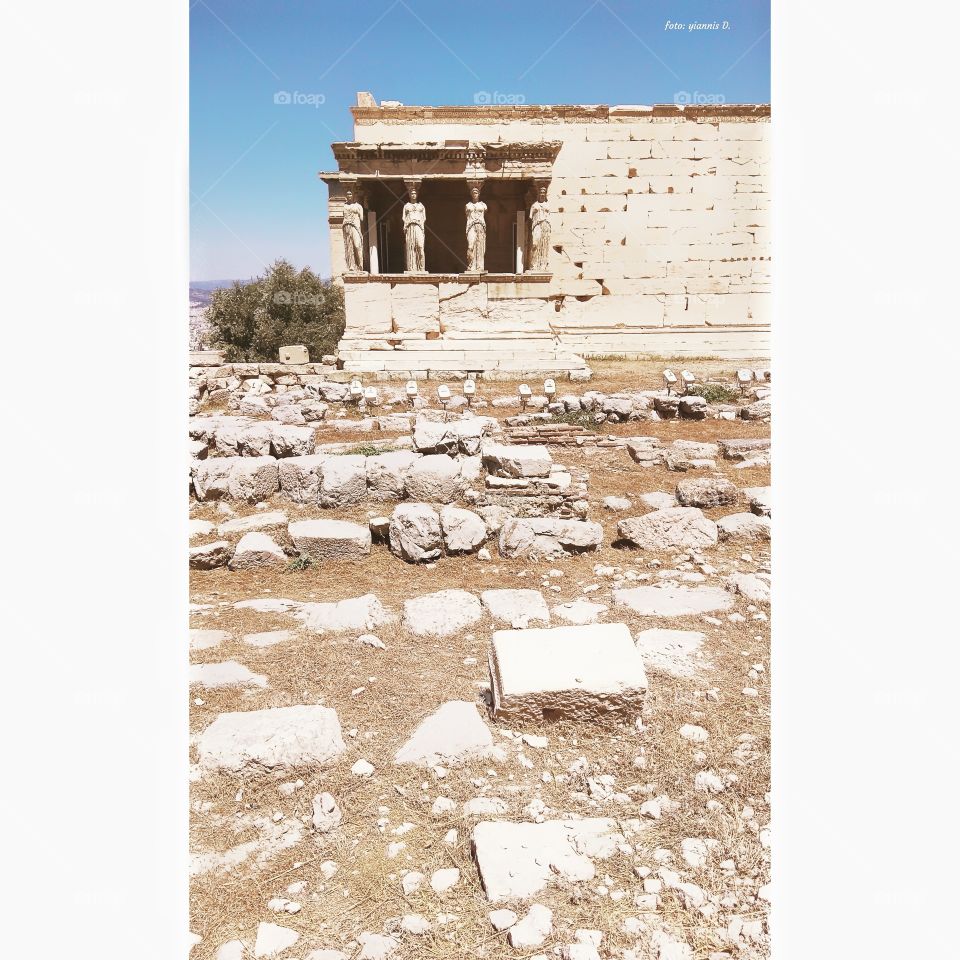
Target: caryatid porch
column 445, row 316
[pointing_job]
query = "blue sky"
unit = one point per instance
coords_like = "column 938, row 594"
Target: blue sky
column 255, row 195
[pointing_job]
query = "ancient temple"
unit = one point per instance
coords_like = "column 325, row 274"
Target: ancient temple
column 522, row 237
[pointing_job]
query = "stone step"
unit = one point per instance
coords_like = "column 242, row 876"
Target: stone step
column 449, row 360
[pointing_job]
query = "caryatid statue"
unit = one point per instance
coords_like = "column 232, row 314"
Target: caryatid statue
column 540, row 234
column 414, row 224
column 476, row 232
column 353, row 233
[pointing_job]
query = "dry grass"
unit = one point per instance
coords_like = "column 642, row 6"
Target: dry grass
column 412, row 677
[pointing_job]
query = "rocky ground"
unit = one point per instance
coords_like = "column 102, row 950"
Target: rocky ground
column 380, row 807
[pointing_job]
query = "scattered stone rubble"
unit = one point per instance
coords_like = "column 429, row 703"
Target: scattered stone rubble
column 579, row 650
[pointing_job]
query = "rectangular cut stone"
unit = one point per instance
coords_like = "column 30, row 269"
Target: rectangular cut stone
column 518, row 860
column 576, row 673
column 672, row 601
column 330, row 539
column 415, row 307
column 294, row 354
column 367, row 308
column 517, row 460
column 282, row 737
column 463, row 306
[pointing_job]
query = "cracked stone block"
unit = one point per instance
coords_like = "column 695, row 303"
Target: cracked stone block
column 577, row 673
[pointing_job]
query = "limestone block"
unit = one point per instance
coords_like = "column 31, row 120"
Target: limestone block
column 706, row 492
column 577, row 673
column 755, row 587
column 211, row 478
column 330, row 539
column 519, row 608
column 273, row 520
column 257, row 550
column 356, row 614
column 294, row 354
column 745, row 449
column 677, row 652
column 672, row 601
column 527, row 314
column 463, row 530
column 533, row 930
column 463, row 307
column 205, row 639
column 387, row 474
column 343, row 481
column 288, row 440
column 435, row 479
column 300, row 477
column 451, row 735
column 508, row 460
column 761, row 500
column 744, row 527
column 208, row 556
column 441, row 614
column 367, row 310
column 263, row 740
column 610, row 312
column 671, row 528
column 455, row 436
column 415, row 532
column 548, row 537
column 518, row 860
column 415, row 307
column 253, row 479
column 230, row 673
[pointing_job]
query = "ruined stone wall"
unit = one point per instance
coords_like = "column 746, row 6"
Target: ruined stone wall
column 660, row 229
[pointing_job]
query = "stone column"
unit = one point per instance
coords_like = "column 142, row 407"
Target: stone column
column 372, row 242
column 521, row 238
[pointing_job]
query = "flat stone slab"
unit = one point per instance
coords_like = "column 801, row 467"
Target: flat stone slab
column 271, row 520
column 677, row 652
column 330, row 539
column 518, row 860
column 441, row 614
column 580, row 611
column 356, row 613
column 452, row 734
column 258, row 740
column 230, row 673
column 658, row 501
column 578, row 672
column 268, row 638
column 205, row 639
column 672, row 601
column 517, row 607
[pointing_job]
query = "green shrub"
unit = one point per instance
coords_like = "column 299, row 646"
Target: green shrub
column 580, row 418
column 716, row 392
column 251, row 321
column 299, row 563
column 369, row 449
